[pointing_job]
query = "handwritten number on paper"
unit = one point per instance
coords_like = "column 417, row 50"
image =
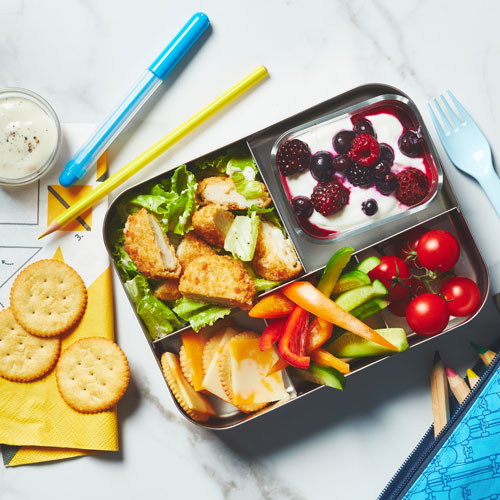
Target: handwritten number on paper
column 4, row 262
column 79, row 237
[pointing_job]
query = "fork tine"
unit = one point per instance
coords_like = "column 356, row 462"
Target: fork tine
column 441, row 132
column 444, row 118
column 451, row 113
column 466, row 117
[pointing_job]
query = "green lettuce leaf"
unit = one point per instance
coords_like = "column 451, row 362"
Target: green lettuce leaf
column 208, row 316
column 243, row 171
column 261, row 285
column 185, row 308
column 137, row 288
column 156, row 316
column 268, row 213
column 126, row 267
column 241, row 238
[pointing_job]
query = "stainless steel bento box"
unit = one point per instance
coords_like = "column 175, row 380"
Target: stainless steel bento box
column 439, row 209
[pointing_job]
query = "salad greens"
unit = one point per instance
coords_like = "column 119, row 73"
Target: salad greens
column 241, row 238
column 198, row 313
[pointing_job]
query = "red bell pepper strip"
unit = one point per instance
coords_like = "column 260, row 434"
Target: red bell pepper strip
column 292, row 343
column 311, row 299
column 275, row 305
column 271, row 334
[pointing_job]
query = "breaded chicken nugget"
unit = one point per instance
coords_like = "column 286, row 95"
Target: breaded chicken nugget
column 222, row 191
column 168, row 290
column 149, row 247
column 212, row 223
column 275, row 258
column 218, row 279
column 191, row 248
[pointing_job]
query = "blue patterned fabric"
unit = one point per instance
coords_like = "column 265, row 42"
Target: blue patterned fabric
column 467, row 466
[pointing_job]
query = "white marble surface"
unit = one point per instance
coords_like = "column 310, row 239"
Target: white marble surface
column 83, row 55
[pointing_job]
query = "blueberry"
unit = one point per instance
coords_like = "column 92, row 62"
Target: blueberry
column 322, row 166
column 302, row 206
column 388, row 184
column 381, row 169
column 369, row 207
column 410, row 144
column 386, row 153
column 341, row 163
column 363, row 126
column 342, row 141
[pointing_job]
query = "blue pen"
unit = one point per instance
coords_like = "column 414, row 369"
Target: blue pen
column 99, row 141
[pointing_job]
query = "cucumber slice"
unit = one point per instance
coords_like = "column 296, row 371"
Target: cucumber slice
column 333, row 269
column 355, row 297
column 368, row 264
column 321, row 374
column 351, row 345
column 350, row 280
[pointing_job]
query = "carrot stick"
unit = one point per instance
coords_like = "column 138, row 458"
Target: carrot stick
column 305, row 295
column 323, row 357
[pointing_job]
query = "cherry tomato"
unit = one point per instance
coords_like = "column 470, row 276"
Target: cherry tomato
column 438, row 250
column 463, row 296
column 395, row 276
column 398, row 308
column 428, row 314
column 408, row 250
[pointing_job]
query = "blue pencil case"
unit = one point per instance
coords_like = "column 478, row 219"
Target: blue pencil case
column 463, row 462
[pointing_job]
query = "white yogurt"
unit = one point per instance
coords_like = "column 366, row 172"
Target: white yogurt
column 319, row 138
column 28, row 137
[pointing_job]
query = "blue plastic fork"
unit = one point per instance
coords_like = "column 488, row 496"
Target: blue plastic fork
column 467, row 147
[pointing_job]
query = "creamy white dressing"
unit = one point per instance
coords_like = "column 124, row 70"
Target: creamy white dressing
column 319, row 138
column 28, row 137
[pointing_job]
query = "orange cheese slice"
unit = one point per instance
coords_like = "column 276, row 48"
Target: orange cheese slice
column 211, row 382
column 250, row 366
column 193, row 400
column 193, row 345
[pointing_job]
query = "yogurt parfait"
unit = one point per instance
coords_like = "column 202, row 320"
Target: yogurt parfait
column 355, row 170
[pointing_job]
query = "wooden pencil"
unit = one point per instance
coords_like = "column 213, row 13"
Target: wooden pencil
column 487, row 356
column 472, row 377
column 439, row 393
column 457, row 385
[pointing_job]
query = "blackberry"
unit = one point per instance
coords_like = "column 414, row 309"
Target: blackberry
column 293, row 156
column 360, row 176
column 329, row 197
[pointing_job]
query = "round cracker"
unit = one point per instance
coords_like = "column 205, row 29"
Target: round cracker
column 187, row 369
column 48, row 298
column 92, row 374
column 176, row 391
column 24, row 357
column 226, row 375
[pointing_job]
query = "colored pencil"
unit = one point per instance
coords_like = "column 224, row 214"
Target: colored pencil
column 457, row 385
column 473, row 377
column 439, row 393
column 487, row 356
column 154, row 151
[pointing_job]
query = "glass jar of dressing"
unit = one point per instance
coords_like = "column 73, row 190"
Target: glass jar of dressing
column 30, row 136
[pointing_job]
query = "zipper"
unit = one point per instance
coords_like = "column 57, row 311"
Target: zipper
column 427, row 451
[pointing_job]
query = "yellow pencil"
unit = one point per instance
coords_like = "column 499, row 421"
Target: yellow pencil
column 473, row 377
column 439, row 394
column 457, row 385
column 154, row 151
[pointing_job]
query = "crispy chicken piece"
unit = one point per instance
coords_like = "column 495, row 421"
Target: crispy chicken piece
column 212, row 223
column 191, row 248
column 218, row 279
column 149, row 247
column 168, row 290
column 275, row 257
column 222, row 191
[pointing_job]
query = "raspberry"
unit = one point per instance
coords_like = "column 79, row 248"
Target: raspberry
column 413, row 186
column 293, row 156
column 329, row 197
column 365, row 150
column 360, row 176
